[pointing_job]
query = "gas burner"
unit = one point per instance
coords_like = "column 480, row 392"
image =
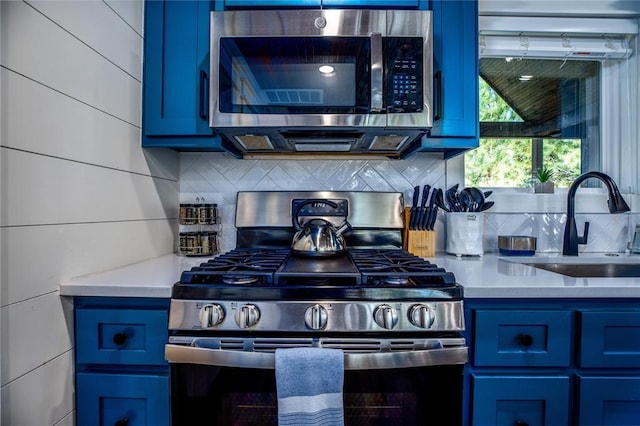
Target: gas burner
column 240, row 279
column 396, row 281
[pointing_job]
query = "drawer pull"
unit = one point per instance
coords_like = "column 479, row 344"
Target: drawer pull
column 122, row 422
column 120, row 339
column 521, row 422
column 524, row 340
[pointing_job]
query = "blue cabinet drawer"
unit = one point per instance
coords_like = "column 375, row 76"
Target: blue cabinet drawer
column 520, row 400
column 609, row 339
column 528, row 338
column 121, row 336
column 609, row 401
column 122, row 399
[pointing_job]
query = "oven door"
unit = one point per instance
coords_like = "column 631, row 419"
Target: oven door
column 237, row 387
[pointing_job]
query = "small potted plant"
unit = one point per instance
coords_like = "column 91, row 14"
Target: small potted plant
column 544, row 184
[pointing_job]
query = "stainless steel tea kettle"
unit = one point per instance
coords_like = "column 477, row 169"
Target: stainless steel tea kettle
column 318, row 237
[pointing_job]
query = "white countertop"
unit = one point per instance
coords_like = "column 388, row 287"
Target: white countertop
column 151, row 278
column 489, row 276
column 494, row 276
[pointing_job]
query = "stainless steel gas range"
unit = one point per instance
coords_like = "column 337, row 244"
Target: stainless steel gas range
column 398, row 318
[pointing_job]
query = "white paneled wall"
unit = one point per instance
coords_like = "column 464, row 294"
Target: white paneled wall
column 77, row 193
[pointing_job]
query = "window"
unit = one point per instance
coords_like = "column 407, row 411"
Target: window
column 551, row 99
column 535, row 114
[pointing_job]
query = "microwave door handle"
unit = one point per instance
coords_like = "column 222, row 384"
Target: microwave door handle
column 376, row 72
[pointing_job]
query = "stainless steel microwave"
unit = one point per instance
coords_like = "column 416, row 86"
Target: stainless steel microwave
column 327, row 80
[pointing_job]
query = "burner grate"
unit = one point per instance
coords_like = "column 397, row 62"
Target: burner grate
column 362, row 267
column 238, row 267
column 399, row 268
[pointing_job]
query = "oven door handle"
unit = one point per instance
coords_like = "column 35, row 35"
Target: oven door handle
column 181, row 354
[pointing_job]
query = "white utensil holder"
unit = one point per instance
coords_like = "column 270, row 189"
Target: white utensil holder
column 465, row 232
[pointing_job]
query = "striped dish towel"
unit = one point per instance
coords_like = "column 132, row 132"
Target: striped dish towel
column 309, row 383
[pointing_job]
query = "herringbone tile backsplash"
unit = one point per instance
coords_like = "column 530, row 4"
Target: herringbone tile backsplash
column 217, row 177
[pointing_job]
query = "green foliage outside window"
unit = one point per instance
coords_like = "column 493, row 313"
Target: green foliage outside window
column 508, row 162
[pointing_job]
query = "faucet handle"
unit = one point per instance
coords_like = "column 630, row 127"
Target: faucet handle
column 583, row 238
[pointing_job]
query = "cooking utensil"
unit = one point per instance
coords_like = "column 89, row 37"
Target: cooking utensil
column 451, row 195
column 424, row 211
column 478, row 198
column 318, row 237
column 440, row 200
column 466, row 200
column 425, row 219
column 487, row 205
column 433, row 212
column 413, row 217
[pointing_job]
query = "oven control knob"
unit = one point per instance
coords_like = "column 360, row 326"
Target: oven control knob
column 210, row 315
column 316, row 317
column 385, row 316
column 421, row 316
column 247, row 316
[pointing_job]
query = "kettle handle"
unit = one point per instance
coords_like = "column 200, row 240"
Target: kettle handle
column 296, row 220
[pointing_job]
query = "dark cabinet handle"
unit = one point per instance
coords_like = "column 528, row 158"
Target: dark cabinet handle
column 122, row 422
column 120, row 339
column 520, row 423
column 437, row 96
column 204, row 96
column 524, row 340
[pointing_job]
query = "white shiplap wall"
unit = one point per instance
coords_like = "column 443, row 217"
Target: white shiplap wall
column 77, row 193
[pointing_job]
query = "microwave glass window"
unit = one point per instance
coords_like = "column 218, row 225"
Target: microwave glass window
column 290, row 84
column 278, row 75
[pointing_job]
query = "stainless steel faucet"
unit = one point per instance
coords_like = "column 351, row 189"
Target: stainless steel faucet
column 616, row 205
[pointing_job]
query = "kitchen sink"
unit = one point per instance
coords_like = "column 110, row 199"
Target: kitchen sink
column 591, row 270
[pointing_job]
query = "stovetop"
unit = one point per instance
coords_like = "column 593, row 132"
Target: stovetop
column 276, row 273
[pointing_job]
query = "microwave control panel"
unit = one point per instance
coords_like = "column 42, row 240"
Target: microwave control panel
column 404, row 82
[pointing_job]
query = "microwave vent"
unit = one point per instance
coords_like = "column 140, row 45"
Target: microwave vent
column 255, row 142
column 333, row 146
column 314, row 141
column 388, row 142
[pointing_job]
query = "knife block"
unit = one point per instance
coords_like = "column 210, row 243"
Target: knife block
column 420, row 243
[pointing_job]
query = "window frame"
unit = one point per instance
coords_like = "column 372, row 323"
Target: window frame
column 617, row 108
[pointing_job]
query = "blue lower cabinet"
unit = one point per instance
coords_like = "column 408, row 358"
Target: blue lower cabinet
column 526, row 338
column 122, row 399
column 122, row 378
column 520, row 400
column 610, row 339
column 609, row 401
column 121, row 336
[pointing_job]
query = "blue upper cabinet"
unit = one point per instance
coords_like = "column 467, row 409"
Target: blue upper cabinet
column 455, row 66
column 176, row 76
column 176, row 70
